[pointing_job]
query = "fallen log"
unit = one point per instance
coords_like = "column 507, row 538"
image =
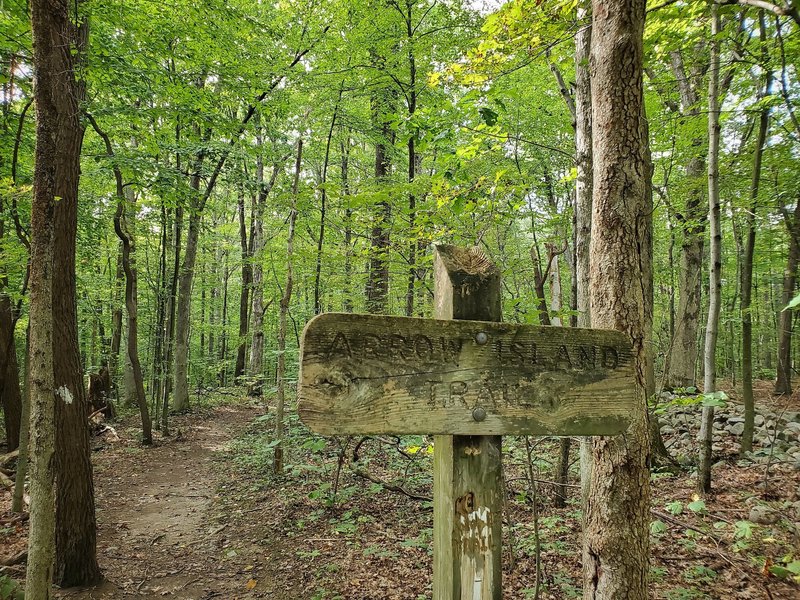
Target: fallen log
column 14, row 559
column 7, row 458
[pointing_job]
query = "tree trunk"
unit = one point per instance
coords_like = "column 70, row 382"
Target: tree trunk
column 51, row 25
column 59, row 44
column 116, row 319
column 715, row 262
column 283, row 315
column 183, row 312
column 377, row 291
column 76, row 531
column 131, row 300
column 683, row 353
column 616, row 541
column 223, row 343
column 170, row 335
column 583, row 194
column 9, row 386
column 244, row 297
column 17, row 499
column 347, row 300
column 131, row 306
column 411, row 94
column 256, row 369
column 783, row 383
column 749, row 249
column 323, row 206
column 160, row 329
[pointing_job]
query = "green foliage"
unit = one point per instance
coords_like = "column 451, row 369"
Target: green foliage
column 9, row 590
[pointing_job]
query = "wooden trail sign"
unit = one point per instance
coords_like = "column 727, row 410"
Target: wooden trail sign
column 371, row 374
column 467, row 379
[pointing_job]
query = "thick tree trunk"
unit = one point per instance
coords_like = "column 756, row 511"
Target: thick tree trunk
column 715, row 262
column 683, row 355
column 52, row 62
column 76, row 534
column 616, row 540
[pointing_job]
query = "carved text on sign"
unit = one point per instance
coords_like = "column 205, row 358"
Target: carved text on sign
column 377, row 374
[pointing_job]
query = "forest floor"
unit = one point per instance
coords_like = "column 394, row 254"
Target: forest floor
column 200, row 515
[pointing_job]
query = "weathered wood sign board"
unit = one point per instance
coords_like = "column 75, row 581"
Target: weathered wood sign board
column 372, row 374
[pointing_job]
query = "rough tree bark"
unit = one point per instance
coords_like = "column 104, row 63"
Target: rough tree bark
column 76, row 532
column 616, row 540
column 51, row 25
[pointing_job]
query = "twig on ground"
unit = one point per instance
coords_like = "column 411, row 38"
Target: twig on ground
column 389, row 486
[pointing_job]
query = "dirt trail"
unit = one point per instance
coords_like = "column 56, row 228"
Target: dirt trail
column 162, row 530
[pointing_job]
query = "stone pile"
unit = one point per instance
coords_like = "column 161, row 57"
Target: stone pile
column 776, row 434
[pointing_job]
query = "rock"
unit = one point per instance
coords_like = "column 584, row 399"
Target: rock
column 758, row 420
column 763, row 515
column 736, row 420
column 667, row 430
column 793, row 428
column 792, row 417
column 737, row 428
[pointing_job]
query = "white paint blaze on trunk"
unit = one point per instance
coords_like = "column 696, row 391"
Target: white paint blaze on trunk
column 65, row 394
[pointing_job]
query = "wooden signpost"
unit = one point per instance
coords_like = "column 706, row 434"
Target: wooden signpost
column 468, row 380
